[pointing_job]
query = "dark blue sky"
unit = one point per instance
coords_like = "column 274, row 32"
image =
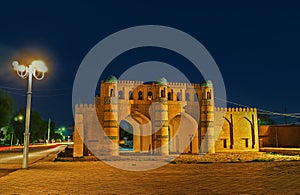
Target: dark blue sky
column 255, row 44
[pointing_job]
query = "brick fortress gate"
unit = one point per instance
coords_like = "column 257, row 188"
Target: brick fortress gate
column 161, row 118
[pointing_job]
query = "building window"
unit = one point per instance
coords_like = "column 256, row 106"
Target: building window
column 150, row 97
column 111, row 94
column 224, row 143
column 187, row 97
column 121, row 94
column 246, row 143
column 208, row 95
column 140, row 95
column 195, row 97
column 179, row 98
column 170, row 96
column 130, row 95
column 163, row 93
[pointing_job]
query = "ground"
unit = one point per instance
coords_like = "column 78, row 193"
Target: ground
column 96, row 177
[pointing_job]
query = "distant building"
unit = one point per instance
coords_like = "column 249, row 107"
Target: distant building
column 185, row 114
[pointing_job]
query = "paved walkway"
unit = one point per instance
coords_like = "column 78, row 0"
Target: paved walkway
column 97, row 177
column 287, row 151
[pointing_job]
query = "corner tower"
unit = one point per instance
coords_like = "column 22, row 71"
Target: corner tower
column 207, row 118
column 110, row 115
column 161, row 123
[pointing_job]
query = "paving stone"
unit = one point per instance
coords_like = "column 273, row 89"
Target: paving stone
column 99, row 178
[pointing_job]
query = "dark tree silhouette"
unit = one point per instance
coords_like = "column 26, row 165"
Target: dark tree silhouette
column 265, row 119
column 38, row 127
column 6, row 108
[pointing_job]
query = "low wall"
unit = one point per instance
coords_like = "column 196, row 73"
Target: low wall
column 279, row 136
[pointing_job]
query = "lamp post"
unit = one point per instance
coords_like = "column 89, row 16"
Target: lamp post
column 36, row 69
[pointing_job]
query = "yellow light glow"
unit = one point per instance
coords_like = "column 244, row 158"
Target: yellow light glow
column 20, row 117
column 33, row 55
column 39, row 65
column 37, row 56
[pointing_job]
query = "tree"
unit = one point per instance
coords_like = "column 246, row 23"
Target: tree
column 58, row 136
column 6, row 108
column 265, row 119
column 38, row 127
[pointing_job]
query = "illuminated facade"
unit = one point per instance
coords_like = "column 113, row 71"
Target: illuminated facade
column 162, row 118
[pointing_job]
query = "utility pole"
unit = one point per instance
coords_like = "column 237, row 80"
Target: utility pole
column 48, row 138
column 11, row 140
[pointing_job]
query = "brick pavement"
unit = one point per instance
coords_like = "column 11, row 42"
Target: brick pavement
column 97, row 177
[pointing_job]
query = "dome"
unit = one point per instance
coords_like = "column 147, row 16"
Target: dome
column 207, row 83
column 162, row 81
column 111, row 79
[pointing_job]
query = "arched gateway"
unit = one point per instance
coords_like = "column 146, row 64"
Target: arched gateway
column 160, row 118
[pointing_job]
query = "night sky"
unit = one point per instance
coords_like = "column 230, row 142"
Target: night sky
column 255, row 44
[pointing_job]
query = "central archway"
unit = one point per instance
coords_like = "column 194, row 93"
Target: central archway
column 140, row 127
column 125, row 136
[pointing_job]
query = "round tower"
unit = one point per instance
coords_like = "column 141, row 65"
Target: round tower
column 161, row 124
column 110, row 116
column 207, row 118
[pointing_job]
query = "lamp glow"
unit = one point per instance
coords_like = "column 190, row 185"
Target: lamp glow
column 40, row 66
column 20, row 117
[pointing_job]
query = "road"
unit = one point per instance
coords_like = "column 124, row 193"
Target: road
column 11, row 160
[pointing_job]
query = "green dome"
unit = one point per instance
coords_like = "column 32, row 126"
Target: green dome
column 162, row 81
column 207, row 83
column 111, row 79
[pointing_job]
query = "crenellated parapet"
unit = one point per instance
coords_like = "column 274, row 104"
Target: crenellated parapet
column 170, row 84
column 235, row 109
column 129, row 82
column 184, row 85
column 80, row 108
column 176, row 84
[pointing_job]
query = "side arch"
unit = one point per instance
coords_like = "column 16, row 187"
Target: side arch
column 183, row 134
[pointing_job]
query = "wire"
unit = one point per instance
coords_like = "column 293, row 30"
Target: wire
column 61, row 89
column 37, row 95
column 16, row 93
column 36, row 90
column 12, row 88
column 51, row 95
column 259, row 109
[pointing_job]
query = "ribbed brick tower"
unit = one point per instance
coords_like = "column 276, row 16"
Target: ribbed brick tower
column 207, row 118
column 110, row 116
column 161, row 119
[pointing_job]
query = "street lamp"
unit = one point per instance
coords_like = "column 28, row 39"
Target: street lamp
column 18, row 118
column 61, row 131
column 36, row 69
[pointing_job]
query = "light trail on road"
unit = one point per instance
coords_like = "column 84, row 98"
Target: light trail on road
column 36, row 154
